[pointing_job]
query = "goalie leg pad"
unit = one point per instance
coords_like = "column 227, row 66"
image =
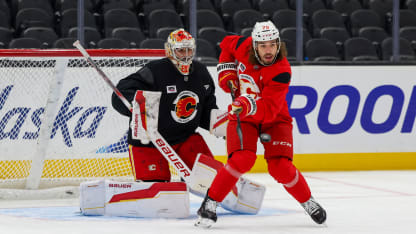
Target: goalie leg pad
column 132, row 199
column 245, row 197
column 203, row 173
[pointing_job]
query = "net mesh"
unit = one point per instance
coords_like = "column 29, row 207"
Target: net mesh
column 59, row 108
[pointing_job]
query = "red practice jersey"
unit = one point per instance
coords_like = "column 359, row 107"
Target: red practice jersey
column 267, row 84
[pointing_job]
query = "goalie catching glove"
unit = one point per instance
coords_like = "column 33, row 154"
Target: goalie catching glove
column 243, row 106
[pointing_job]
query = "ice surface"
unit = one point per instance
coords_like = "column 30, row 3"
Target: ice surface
column 356, row 202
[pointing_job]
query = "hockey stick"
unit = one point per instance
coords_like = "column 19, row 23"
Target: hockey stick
column 160, row 143
column 81, row 49
column 239, row 131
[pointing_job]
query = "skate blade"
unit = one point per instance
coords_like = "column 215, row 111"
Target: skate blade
column 204, row 222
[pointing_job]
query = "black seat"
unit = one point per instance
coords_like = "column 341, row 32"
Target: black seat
column 149, row 6
column 183, row 6
column 269, row 7
column 64, row 43
column 364, row 18
column 205, row 49
column 91, row 36
column 409, row 33
column 335, row 34
column 345, row 7
column 44, row 5
column 112, row 43
column 133, row 36
column 410, row 4
column 405, row 53
column 320, row 49
column 407, row 18
column 246, row 32
column 290, row 34
column 291, row 49
column 229, row 7
column 62, row 5
column 153, row 43
column 6, row 36
column 375, row 34
column 163, row 18
column 326, row 18
column 4, row 20
column 4, row 7
column 245, row 19
column 32, row 17
column 25, row 43
column 116, row 18
column 45, row 35
column 309, row 6
column 383, row 8
column 164, row 32
column 284, row 18
column 360, row 49
column 117, row 4
column 69, row 19
column 208, row 18
column 212, row 34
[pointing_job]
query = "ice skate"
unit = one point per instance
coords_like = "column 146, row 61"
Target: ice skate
column 207, row 214
column 317, row 213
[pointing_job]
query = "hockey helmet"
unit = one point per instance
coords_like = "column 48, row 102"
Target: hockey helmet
column 180, row 48
column 265, row 31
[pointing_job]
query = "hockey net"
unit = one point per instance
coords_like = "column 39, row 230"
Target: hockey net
column 57, row 125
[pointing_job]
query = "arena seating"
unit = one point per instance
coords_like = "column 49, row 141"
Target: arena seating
column 339, row 24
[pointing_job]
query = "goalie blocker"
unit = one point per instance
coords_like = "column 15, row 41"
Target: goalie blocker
column 166, row 199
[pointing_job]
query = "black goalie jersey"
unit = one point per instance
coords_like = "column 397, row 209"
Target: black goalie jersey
column 186, row 101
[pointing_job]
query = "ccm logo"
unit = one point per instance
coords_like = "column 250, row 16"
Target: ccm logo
column 173, row 157
column 284, row 143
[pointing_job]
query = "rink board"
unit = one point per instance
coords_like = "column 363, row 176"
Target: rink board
column 347, row 118
column 344, row 118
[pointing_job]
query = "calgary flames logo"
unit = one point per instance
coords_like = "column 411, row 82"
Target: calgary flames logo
column 185, row 107
column 248, row 86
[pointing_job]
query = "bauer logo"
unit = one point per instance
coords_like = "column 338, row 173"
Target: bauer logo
column 119, row 185
column 70, row 122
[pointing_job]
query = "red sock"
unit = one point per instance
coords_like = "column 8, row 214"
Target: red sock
column 300, row 191
column 222, row 185
column 284, row 172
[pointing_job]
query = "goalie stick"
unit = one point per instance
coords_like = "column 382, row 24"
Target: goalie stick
column 160, row 143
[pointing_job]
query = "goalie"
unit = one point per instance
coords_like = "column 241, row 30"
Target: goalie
column 187, row 101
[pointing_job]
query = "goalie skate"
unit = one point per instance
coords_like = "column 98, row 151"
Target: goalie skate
column 207, row 214
column 317, row 213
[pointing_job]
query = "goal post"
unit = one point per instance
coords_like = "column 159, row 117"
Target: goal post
column 57, row 125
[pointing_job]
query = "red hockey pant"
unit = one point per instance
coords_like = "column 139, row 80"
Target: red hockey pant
column 149, row 164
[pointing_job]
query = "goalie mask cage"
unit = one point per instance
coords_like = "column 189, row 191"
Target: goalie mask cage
column 57, row 125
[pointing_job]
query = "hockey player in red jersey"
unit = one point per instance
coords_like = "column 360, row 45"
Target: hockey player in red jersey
column 257, row 70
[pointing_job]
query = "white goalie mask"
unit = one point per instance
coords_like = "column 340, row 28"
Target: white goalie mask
column 180, row 48
column 265, row 31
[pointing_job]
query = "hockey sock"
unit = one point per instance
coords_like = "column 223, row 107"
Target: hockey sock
column 222, row 185
column 284, row 172
column 239, row 163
